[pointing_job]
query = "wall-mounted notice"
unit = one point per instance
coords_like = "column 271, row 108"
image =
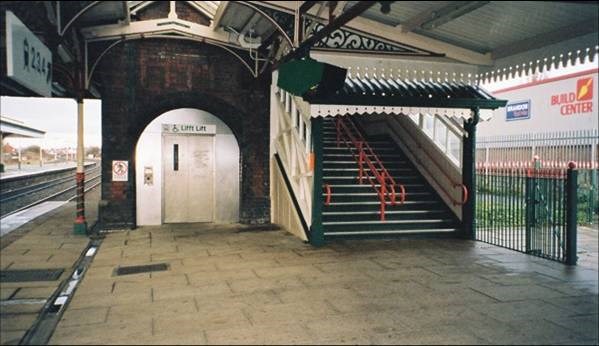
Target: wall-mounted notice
column 120, row 170
column 189, row 129
column 517, row 110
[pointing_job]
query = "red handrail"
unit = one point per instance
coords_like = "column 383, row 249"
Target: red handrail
column 327, row 188
column 381, row 175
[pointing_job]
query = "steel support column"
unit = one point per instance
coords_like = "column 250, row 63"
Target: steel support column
column 316, row 231
column 571, row 214
column 80, row 226
column 469, row 175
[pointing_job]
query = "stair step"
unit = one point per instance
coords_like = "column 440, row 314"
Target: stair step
column 378, row 225
column 377, row 203
column 401, row 165
column 345, row 148
column 390, row 214
column 387, row 212
column 357, row 188
column 340, row 179
column 350, row 155
column 333, row 142
column 373, row 194
column 356, row 169
column 389, row 232
column 387, row 222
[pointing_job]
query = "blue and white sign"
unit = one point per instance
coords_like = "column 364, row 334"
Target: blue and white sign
column 28, row 60
column 517, row 110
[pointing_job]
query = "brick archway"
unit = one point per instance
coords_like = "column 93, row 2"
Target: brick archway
column 144, row 79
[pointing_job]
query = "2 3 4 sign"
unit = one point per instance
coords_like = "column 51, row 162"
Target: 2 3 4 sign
column 34, row 61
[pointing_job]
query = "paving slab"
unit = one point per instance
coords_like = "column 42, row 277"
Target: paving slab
column 39, row 241
column 227, row 286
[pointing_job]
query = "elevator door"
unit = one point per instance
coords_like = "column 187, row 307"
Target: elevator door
column 188, row 166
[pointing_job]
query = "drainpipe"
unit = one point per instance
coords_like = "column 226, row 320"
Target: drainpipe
column 469, row 175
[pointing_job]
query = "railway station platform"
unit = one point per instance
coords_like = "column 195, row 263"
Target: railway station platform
column 240, row 284
column 44, row 242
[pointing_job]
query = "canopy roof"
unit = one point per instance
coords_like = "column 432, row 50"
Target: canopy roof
column 394, row 92
column 16, row 128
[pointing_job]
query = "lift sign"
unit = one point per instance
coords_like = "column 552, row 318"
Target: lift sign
column 189, row 128
column 517, row 111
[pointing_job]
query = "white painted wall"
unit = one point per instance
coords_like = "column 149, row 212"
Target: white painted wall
column 148, row 153
column 544, row 117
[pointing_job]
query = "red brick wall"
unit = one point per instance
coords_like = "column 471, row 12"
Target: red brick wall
column 143, row 79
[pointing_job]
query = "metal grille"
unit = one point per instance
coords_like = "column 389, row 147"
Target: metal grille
column 141, row 269
column 525, row 209
column 31, row 275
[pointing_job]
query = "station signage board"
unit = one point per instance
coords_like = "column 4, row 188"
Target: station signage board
column 517, row 110
column 189, row 129
column 28, row 60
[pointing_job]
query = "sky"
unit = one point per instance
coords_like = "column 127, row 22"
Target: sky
column 56, row 116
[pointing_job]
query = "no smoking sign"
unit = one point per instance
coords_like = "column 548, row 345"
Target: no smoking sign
column 120, row 170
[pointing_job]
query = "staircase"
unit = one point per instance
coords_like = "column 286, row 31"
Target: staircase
column 354, row 208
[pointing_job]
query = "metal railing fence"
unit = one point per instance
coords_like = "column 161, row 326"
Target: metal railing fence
column 550, row 150
column 528, row 209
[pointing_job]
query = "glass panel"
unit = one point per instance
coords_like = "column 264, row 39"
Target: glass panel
column 428, row 125
column 440, row 133
column 414, row 117
column 454, row 148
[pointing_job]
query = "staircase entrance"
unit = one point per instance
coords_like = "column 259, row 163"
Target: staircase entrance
column 372, row 190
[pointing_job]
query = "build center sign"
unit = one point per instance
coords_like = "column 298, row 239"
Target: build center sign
column 565, row 103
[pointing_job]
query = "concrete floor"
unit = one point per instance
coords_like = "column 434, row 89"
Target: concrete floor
column 232, row 285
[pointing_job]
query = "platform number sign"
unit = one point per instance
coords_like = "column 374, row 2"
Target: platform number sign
column 120, row 170
column 28, row 60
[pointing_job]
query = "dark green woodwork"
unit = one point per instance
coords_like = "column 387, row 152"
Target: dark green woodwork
column 469, row 175
column 298, row 76
column 316, row 230
column 571, row 215
column 400, row 101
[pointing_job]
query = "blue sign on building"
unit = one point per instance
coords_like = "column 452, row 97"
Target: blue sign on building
column 517, row 110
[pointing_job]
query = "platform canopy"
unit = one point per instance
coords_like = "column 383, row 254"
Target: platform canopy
column 15, row 128
column 486, row 39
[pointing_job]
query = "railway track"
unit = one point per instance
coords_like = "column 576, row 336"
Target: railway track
column 22, row 192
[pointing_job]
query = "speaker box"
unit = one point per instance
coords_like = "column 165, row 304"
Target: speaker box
column 300, row 77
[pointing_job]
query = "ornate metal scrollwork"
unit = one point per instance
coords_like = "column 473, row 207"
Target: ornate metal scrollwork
column 284, row 19
column 345, row 39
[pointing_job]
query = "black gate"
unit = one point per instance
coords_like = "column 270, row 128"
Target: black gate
column 531, row 210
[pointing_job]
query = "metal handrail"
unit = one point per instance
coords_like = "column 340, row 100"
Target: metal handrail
column 381, row 175
column 327, row 188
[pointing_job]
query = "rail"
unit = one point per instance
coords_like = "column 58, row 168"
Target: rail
column 327, row 188
column 380, row 174
column 93, row 176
